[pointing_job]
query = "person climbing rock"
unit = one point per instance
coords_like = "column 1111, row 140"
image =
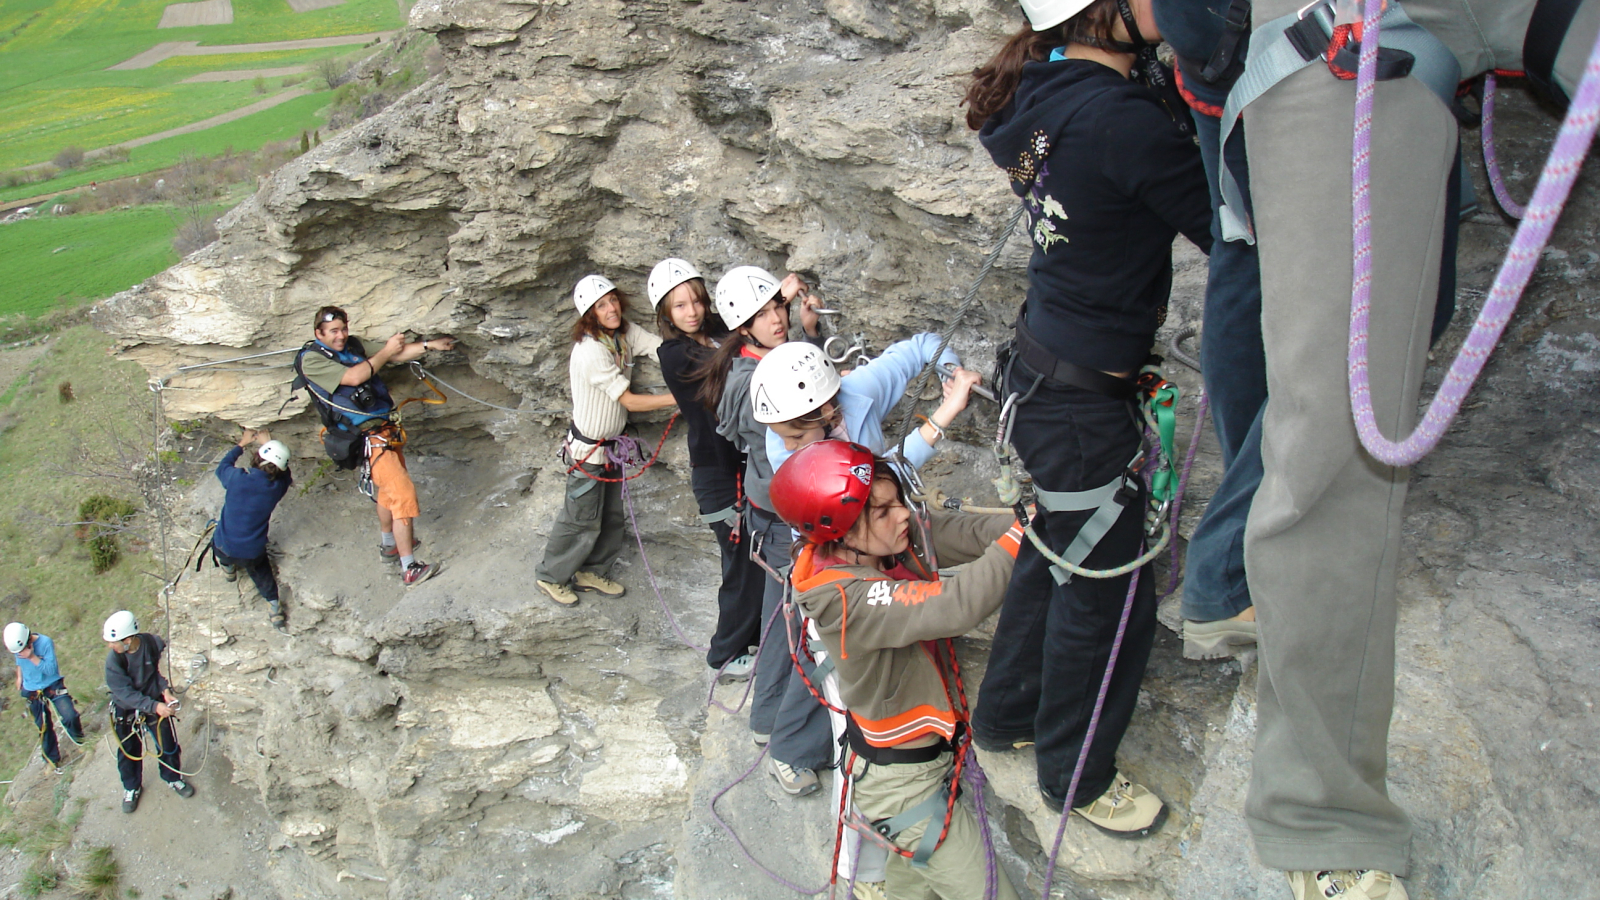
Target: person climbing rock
column 691, row 334
column 40, row 682
column 240, row 538
column 886, row 616
column 1109, row 177
column 344, row 380
column 784, row 716
column 142, row 709
column 588, row 533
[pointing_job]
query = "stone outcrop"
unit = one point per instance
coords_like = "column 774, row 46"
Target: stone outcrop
column 463, row 738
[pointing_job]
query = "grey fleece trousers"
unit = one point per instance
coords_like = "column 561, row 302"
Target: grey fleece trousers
column 1323, row 537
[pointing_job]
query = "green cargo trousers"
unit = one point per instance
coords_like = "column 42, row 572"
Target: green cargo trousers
column 590, row 530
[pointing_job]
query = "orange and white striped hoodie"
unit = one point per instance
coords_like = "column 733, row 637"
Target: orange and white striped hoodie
column 880, row 630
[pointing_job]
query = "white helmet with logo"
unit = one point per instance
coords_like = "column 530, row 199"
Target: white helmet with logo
column 589, row 291
column 1050, row 13
column 17, row 635
column 742, row 292
column 275, row 452
column 790, row 381
column 668, row 274
column 120, row 626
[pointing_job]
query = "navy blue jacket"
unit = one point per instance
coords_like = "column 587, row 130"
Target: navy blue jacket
column 242, row 527
column 1109, row 180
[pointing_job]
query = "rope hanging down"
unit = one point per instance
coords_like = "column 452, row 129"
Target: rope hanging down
column 968, row 301
column 1491, row 160
column 1555, row 183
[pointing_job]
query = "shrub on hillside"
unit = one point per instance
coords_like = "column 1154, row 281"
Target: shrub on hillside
column 100, row 518
column 69, row 157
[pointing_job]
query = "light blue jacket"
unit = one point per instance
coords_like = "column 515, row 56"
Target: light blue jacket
column 36, row 676
column 868, row 393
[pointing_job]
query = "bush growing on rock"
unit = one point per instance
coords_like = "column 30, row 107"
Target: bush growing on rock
column 100, row 518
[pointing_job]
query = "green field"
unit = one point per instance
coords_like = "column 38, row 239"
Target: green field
column 45, row 579
column 55, row 89
column 280, row 123
column 49, row 261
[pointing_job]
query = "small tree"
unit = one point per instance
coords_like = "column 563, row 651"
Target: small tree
column 69, row 157
column 100, row 518
column 305, row 141
column 332, row 71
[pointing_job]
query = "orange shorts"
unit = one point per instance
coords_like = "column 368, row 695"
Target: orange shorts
column 396, row 493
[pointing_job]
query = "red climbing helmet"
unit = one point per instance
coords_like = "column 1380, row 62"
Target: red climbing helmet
column 822, row 489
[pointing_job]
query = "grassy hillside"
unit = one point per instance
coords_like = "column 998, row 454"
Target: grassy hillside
column 56, row 90
column 47, row 261
column 45, row 577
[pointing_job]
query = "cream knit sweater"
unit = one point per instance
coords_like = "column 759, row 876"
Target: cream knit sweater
column 598, row 382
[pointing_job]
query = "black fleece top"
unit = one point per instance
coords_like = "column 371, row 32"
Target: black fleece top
column 135, row 677
column 707, row 449
column 1108, row 181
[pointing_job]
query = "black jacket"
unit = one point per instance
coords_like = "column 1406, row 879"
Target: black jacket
column 1109, row 181
column 135, row 677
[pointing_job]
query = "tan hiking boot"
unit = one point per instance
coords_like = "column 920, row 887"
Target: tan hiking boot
column 593, row 581
column 870, row 890
column 797, row 781
column 561, row 593
column 1219, row 639
column 1346, row 884
column 1125, row 810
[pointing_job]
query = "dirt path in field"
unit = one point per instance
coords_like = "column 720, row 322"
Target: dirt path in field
column 222, row 119
column 244, row 74
column 169, row 49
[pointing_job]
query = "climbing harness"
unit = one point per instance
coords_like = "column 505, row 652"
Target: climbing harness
column 621, row 452
column 1549, row 196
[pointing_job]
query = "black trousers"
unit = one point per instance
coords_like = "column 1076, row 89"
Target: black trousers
column 743, row 582
column 260, row 572
column 1053, row 641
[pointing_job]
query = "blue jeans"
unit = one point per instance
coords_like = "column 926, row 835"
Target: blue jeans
column 39, row 703
column 1235, row 364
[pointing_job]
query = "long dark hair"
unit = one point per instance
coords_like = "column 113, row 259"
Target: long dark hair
column 711, row 324
column 994, row 83
column 713, row 373
column 588, row 325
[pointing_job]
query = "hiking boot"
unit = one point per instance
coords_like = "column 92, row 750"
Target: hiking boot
column 230, row 573
column 130, row 800
column 561, row 593
column 181, row 788
column 1359, row 884
column 760, row 737
column 594, row 581
column 737, row 669
column 276, row 617
column 870, row 890
column 418, row 572
column 1217, row 640
column 1002, row 745
column 392, row 554
column 1125, row 810
column 795, row 781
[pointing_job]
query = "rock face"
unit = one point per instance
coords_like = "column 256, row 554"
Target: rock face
column 465, row 739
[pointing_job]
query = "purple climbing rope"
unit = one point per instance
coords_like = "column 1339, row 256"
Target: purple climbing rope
column 1555, row 183
column 716, row 817
column 1201, row 409
column 1088, row 737
column 623, row 452
column 977, row 781
column 1491, row 161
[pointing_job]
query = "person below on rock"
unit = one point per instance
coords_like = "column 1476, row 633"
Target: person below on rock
column 887, row 619
column 40, row 682
column 797, row 392
column 240, row 538
column 691, row 334
column 342, row 375
column 1108, row 178
column 784, row 716
column 142, row 705
column 587, row 535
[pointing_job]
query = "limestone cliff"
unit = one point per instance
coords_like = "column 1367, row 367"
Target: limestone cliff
column 464, row 738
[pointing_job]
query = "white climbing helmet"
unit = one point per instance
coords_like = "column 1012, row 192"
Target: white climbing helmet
column 17, row 635
column 275, row 452
column 120, row 626
column 668, row 274
column 742, row 292
column 589, row 291
column 790, row 381
column 1050, row 13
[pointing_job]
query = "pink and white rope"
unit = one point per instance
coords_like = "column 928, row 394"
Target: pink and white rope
column 1555, row 183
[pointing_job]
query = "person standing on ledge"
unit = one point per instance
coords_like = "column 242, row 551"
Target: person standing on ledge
column 587, row 536
column 142, row 703
column 40, row 683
